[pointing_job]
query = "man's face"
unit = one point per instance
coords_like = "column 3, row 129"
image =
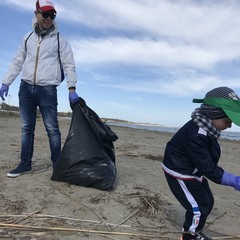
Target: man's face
column 45, row 19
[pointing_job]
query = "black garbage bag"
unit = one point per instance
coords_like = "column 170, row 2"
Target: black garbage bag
column 87, row 157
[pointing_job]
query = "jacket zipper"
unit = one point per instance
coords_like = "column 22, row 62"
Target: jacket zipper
column 36, row 62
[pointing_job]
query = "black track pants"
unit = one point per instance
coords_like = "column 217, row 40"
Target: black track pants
column 196, row 197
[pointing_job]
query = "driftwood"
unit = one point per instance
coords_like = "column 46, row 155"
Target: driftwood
column 103, row 233
column 145, row 231
column 27, row 227
column 34, row 215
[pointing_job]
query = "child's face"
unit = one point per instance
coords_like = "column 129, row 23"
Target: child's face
column 222, row 123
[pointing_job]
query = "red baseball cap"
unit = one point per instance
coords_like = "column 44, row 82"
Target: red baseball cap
column 45, row 5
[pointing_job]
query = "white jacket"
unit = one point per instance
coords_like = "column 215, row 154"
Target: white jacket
column 40, row 63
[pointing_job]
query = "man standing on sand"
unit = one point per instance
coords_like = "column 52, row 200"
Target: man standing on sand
column 39, row 58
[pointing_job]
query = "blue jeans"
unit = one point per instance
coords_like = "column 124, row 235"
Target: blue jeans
column 44, row 97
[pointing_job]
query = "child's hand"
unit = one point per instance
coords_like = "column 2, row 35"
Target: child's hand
column 232, row 180
column 237, row 187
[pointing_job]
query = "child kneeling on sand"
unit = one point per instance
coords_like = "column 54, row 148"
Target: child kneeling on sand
column 191, row 157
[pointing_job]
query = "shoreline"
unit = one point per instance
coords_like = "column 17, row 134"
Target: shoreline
column 225, row 135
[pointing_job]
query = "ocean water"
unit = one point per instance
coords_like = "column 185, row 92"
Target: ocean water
column 224, row 134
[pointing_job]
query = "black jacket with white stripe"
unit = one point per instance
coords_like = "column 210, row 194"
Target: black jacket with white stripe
column 192, row 153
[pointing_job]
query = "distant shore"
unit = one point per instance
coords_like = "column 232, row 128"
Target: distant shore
column 69, row 114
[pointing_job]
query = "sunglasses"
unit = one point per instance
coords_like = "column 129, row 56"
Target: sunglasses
column 47, row 14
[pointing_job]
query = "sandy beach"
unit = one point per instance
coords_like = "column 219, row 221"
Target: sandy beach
column 140, row 206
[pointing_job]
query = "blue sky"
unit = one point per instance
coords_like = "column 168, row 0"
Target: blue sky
column 138, row 60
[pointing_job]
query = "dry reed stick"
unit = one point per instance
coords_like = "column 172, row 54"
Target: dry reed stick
column 80, row 220
column 29, row 215
column 124, row 220
column 154, row 211
column 27, row 227
column 65, row 218
column 108, row 237
column 226, row 237
column 90, row 208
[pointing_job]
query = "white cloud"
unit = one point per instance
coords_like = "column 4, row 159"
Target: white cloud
column 187, row 20
column 167, row 33
column 149, row 53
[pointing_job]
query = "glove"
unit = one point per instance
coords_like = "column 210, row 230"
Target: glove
column 73, row 97
column 4, row 89
column 231, row 180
